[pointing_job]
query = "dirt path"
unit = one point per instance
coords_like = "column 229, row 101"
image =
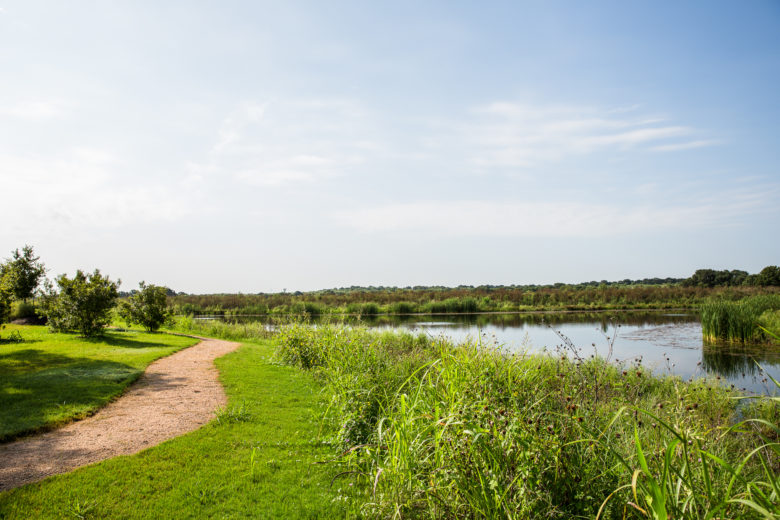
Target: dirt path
column 175, row 395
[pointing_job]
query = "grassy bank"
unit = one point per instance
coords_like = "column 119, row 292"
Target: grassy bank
column 48, row 379
column 741, row 321
column 256, row 460
column 432, row 429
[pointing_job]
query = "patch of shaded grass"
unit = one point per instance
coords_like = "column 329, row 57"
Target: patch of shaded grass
column 49, row 379
column 262, row 466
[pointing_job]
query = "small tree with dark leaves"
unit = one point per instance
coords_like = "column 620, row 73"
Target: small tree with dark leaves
column 147, row 307
column 83, row 303
column 24, row 271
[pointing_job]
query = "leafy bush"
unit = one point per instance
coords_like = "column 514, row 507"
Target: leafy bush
column 83, row 303
column 23, row 272
column 5, row 299
column 147, row 307
column 21, row 309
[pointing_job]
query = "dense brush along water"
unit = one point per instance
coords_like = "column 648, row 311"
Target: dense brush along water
column 664, row 342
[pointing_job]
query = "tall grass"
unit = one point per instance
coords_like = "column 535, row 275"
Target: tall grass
column 436, row 430
column 737, row 321
column 247, row 331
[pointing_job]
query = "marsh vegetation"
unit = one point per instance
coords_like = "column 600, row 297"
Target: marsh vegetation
column 435, row 429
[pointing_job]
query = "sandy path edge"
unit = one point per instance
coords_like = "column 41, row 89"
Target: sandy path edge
column 176, row 394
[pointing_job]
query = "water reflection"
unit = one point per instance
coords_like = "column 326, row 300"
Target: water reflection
column 666, row 342
column 744, row 365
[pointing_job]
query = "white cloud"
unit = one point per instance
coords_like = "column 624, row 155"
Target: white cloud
column 290, row 141
column 520, row 135
column 78, row 191
column 36, row 110
column 544, row 219
column 688, row 145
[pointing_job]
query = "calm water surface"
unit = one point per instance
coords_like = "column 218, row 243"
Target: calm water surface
column 663, row 342
column 666, row 343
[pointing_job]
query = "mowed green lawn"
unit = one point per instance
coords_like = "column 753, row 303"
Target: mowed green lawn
column 50, row 379
column 257, row 459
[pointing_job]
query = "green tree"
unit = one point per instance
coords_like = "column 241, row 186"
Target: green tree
column 147, row 307
column 6, row 295
column 769, row 275
column 24, row 271
column 83, row 303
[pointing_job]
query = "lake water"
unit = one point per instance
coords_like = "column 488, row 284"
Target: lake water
column 664, row 342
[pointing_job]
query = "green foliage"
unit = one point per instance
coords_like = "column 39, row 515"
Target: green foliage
column 769, row 276
column 376, row 301
column 737, row 321
column 246, row 331
column 148, row 307
column 83, row 303
column 436, row 430
column 22, row 309
column 6, row 295
column 714, row 278
column 24, row 272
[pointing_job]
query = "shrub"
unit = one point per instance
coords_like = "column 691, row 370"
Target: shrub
column 83, row 303
column 148, row 307
column 21, row 310
column 23, row 272
column 5, row 299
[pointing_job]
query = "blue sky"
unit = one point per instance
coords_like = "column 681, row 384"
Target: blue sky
column 253, row 146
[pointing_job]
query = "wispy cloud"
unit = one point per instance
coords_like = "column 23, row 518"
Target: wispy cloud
column 505, row 134
column 291, row 141
column 79, row 190
column 545, row 219
column 33, row 109
column 689, row 145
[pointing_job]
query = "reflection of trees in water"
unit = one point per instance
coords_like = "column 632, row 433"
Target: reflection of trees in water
column 604, row 319
column 733, row 362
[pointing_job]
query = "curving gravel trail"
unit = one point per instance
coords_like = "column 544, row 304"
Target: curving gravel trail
column 175, row 395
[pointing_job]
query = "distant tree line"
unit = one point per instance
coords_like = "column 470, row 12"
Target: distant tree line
column 769, row 276
column 627, row 293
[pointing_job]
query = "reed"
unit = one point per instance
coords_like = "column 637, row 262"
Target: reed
column 212, row 328
column 431, row 429
column 737, row 321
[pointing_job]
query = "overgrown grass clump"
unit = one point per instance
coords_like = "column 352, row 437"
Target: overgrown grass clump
column 738, row 321
column 213, row 328
column 436, row 430
column 47, row 379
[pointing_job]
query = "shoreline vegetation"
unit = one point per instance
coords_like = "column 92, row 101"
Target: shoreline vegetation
column 434, row 429
column 753, row 320
column 427, row 428
column 339, row 420
column 366, row 302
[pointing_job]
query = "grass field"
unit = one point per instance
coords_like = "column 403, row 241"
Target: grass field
column 256, row 460
column 49, row 379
